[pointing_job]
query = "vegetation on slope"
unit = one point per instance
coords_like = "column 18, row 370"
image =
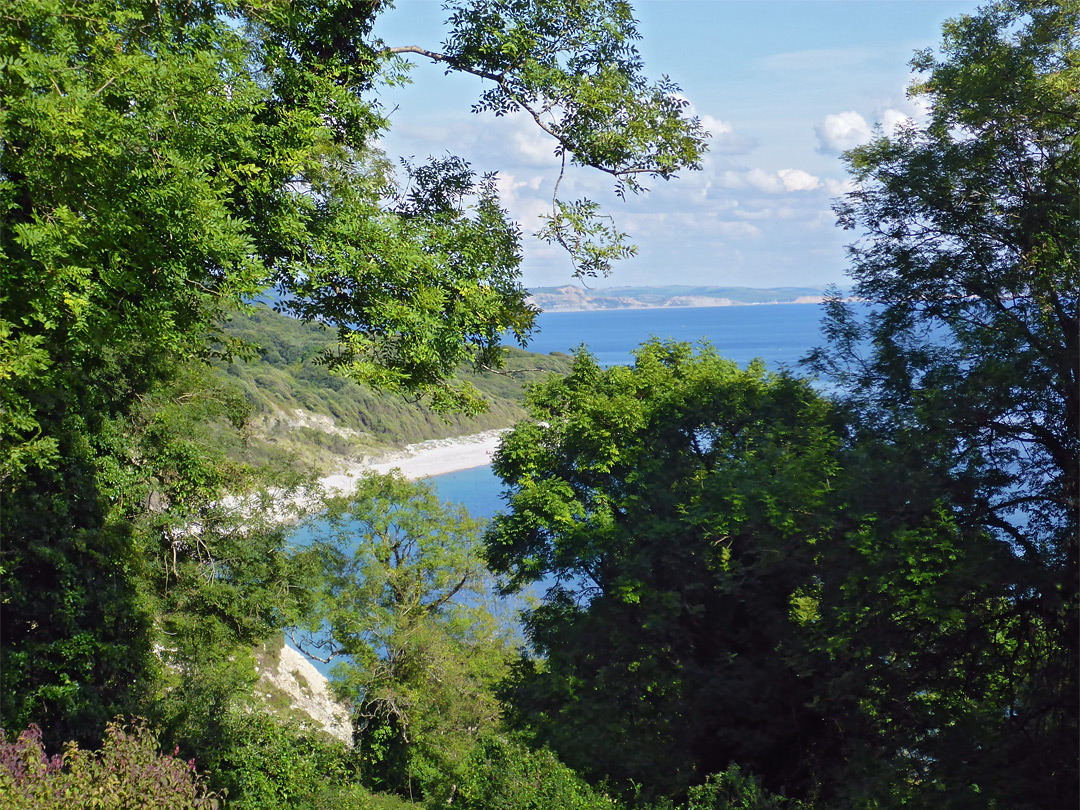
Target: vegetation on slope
column 305, row 413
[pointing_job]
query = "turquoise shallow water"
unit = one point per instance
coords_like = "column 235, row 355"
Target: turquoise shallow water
column 478, row 489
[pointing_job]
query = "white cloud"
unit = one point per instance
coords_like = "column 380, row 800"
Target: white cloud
column 838, row 187
column 532, row 146
column 818, row 60
column 724, row 139
column 510, row 186
column 893, row 120
column 525, row 200
column 738, row 230
column 760, row 213
column 754, row 178
column 716, row 127
column 770, row 182
column 842, row 131
column 824, row 218
column 798, row 180
column 921, row 105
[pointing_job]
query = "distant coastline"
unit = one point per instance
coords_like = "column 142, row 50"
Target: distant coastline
column 571, row 298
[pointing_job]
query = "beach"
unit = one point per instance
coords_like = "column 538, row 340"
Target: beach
column 424, row 459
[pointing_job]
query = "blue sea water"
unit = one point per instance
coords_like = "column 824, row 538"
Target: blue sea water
column 478, row 489
column 779, row 334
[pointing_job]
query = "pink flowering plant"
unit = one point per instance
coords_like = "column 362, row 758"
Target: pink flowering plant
column 128, row 772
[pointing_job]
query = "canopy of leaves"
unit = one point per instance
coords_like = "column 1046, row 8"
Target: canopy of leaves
column 671, row 509
column 968, row 245
column 163, row 164
column 406, row 597
column 962, row 389
column 574, row 68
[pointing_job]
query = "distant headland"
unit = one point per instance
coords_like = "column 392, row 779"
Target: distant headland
column 575, row 298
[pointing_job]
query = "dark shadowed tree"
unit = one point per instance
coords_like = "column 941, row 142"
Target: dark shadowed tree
column 962, row 388
column 673, row 510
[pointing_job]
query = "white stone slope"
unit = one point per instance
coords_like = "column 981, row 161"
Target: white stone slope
column 308, row 691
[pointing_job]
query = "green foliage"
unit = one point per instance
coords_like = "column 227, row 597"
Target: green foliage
column 434, row 282
column 506, row 774
column 589, row 237
column 673, row 508
column 732, row 790
column 927, row 659
column 405, row 595
column 263, row 763
column 76, row 628
column 969, row 248
column 141, row 226
column 131, row 542
column 573, row 66
column 22, row 359
column 287, row 377
column 962, row 390
column 119, row 249
column 128, row 772
column 162, row 166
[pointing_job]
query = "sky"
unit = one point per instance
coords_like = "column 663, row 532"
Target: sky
column 783, row 86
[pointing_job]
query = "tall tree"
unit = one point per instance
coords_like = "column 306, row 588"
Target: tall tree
column 673, row 510
column 405, row 600
column 161, row 164
column 963, row 380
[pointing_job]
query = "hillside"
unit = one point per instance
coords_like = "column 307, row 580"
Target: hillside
column 306, row 415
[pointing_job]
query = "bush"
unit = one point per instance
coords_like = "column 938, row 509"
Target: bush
column 509, row 776
column 733, row 790
column 268, row 764
column 128, row 773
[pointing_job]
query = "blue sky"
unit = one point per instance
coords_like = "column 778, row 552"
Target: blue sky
column 783, row 86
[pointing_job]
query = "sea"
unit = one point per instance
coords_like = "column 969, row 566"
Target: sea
column 778, row 334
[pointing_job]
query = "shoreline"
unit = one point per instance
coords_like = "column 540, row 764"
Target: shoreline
column 421, row 460
column 804, row 300
column 424, row 459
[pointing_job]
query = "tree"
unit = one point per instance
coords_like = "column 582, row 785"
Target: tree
column 961, row 383
column 406, row 598
column 586, row 90
column 162, row 164
column 673, row 509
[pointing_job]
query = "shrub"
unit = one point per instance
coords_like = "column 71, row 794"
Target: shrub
column 507, row 775
column 734, row 790
column 128, row 773
column 266, row 763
